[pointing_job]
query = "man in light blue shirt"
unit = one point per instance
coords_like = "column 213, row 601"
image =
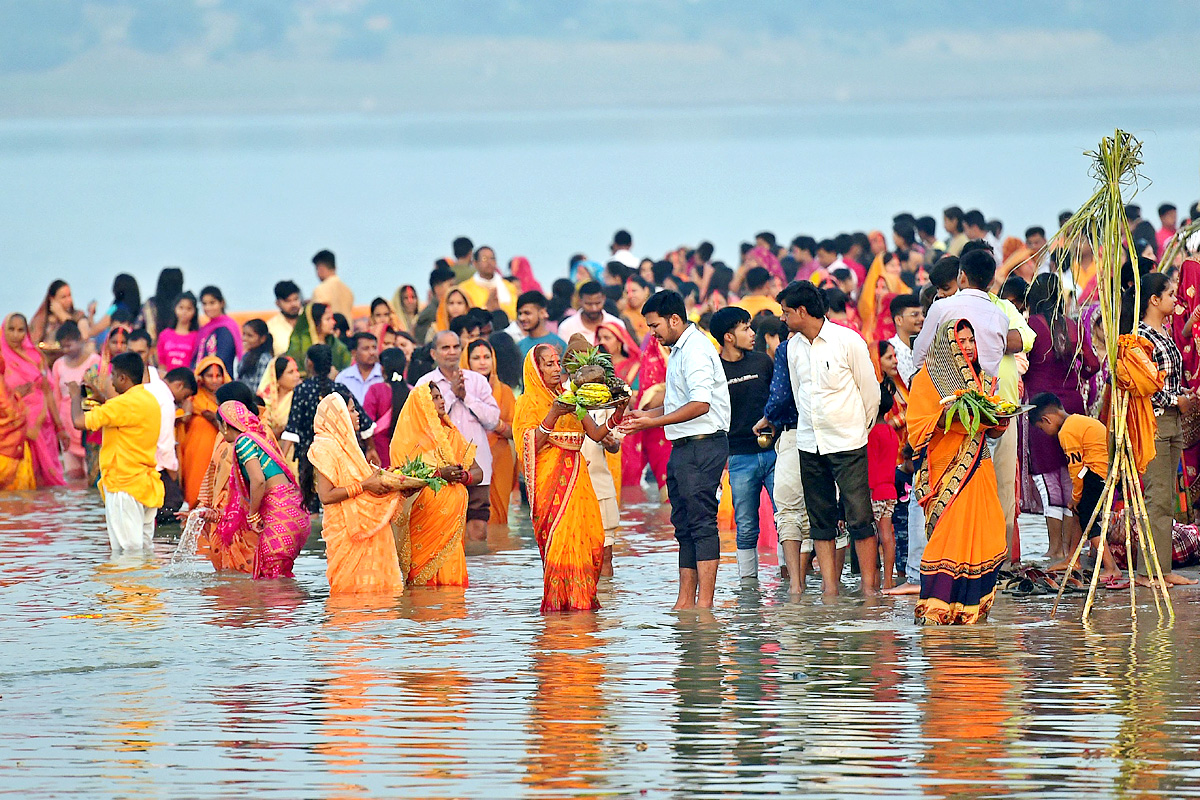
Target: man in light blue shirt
column 695, row 418
column 365, row 371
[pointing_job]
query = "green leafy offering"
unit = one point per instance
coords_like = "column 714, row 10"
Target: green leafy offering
column 417, row 468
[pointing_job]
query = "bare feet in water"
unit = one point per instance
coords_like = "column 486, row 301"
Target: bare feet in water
column 1175, row 579
column 904, row 588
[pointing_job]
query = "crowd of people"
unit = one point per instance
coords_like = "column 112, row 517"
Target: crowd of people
column 812, row 379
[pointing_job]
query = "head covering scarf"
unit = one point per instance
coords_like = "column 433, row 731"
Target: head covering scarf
column 522, row 273
column 202, row 367
column 867, row 313
column 241, row 419
column 536, row 401
column 625, row 366
column 948, row 366
column 442, row 319
column 584, row 271
column 106, row 354
column 763, row 257
column 335, row 453
column 420, row 431
column 23, row 364
column 12, row 426
column 1187, row 298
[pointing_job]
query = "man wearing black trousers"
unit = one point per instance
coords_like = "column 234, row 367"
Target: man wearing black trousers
column 695, row 416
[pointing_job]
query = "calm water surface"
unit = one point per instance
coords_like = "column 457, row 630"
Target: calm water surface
column 129, row 679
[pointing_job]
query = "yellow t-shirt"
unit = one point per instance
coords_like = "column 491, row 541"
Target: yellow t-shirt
column 755, row 303
column 477, row 295
column 336, row 294
column 1008, row 385
column 1085, row 441
column 130, row 424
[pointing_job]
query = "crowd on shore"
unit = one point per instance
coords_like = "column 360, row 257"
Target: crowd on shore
column 811, row 377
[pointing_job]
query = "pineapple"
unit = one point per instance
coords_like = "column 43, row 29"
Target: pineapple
column 592, row 365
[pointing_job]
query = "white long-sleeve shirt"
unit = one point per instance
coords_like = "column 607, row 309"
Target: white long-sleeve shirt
column 695, row 375
column 837, row 395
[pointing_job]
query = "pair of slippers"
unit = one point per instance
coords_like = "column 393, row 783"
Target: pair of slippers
column 1033, row 582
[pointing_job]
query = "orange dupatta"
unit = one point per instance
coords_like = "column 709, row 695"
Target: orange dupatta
column 1137, row 374
column 564, row 508
column 359, row 549
column 868, row 316
column 431, row 545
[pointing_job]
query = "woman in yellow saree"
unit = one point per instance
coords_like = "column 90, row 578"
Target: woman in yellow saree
column 431, row 544
column 565, row 511
column 956, row 486
column 360, row 552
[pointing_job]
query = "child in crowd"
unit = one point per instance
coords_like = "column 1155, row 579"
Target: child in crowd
column 129, row 425
column 883, row 448
column 75, row 361
column 1085, row 442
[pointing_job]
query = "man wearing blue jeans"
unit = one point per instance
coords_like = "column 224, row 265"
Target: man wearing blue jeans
column 751, row 466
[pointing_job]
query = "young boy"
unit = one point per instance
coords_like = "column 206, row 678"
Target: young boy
column 1085, row 442
column 128, row 472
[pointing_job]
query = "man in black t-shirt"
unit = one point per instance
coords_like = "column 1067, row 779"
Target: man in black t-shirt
column 751, row 466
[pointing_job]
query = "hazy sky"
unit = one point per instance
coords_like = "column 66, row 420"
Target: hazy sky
column 132, row 57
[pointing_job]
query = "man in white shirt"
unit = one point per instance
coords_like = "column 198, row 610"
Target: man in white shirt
column 695, row 417
column 622, row 249
column 365, row 372
column 837, row 400
column 908, row 318
column 331, row 290
column 591, row 314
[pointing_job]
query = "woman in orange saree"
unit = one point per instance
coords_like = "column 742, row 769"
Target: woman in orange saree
column 359, row 549
column 481, row 358
column 200, row 431
column 431, row 543
column 956, row 486
column 564, row 508
column 16, row 463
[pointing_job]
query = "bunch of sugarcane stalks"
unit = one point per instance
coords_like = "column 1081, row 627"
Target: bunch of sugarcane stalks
column 1122, row 473
column 1101, row 221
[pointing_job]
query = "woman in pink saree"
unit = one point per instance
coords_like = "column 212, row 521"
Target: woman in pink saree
column 25, row 377
column 263, row 495
column 649, row 446
column 1185, row 329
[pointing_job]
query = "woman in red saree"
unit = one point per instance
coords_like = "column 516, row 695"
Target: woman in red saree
column 25, row 377
column 883, row 356
column 431, row 543
column 956, row 486
column 649, row 446
column 563, row 505
column 263, row 495
column 16, row 464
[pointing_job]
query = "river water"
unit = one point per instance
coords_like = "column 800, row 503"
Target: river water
column 131, row 679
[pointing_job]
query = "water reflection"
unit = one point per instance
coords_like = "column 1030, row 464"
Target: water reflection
column 119, row 677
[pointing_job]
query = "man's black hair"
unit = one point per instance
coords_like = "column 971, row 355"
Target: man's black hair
column 364, row 335
column 1014, row 287
column 802, row 294
column 1035, row 230
column 836, row 300
column 757, row 278
column 975, row 219
column 926, row 225
column 704, row 252
column 324, row 257
column 944, row 272
column 665, row 303
column 1166, row 208
column 130, row 365
column 533, row 297
column 140, row 335
column 285, row 289
column 726, row 320
column 591, row 288
column 828, row 245
column 980, row 268
column 622, row 238
column 1043, row 404
column 238, row 392
column 439, row 276
column 182, row 375
column 462, row 247
column 905, row 231
column 903, row 302
column 461, row 324
column 662, row 270
column 767, row 237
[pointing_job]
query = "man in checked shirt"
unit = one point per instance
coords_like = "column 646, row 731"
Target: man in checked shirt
column 1170, row 403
